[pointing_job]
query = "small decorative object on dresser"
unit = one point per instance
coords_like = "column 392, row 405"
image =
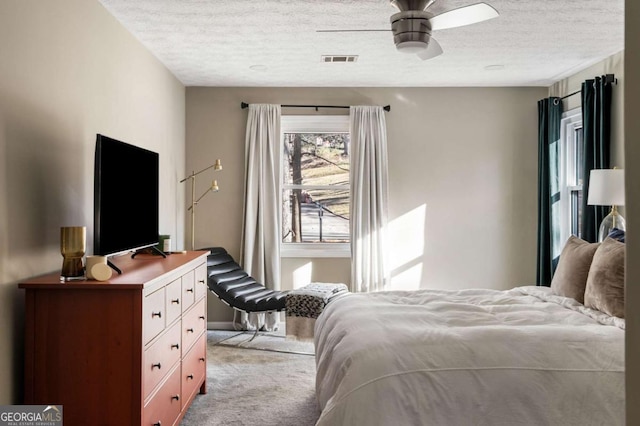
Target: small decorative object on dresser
column 94, row 261
column 128, row 351
column 73, row 240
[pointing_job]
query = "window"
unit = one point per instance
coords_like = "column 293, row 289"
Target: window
column 315, row 186
column 571, row 171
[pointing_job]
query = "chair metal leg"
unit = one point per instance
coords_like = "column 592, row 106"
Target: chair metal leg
column 254, row 335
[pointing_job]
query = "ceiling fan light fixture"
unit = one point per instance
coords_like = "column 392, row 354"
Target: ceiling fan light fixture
column 412, row 46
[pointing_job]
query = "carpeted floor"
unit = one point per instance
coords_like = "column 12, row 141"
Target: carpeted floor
column 254, row 385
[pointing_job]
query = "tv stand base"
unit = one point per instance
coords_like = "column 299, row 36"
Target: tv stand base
column 114, row 267
column 154, row 248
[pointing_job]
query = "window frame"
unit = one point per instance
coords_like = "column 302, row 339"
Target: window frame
column 570, row 122
column 311, row 124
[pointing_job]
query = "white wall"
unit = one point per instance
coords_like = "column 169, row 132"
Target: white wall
column 68, row 71
column 463, row 180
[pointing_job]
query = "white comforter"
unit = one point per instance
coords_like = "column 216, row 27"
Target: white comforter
column 471, row 357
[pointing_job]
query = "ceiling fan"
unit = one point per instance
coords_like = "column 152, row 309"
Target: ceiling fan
column 413, row 25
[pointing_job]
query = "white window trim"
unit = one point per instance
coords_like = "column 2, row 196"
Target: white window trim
column 321, row 187
column 571, row 120
column 315, row 249
column 315, row 124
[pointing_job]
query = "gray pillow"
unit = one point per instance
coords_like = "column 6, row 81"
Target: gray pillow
column 570, row 278
column 605, row 283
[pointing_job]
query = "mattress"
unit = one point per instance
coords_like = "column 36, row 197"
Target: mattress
column 471, row 357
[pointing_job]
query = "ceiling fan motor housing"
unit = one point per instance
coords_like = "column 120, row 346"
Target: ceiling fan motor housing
column 404, row 5
column 411, row 30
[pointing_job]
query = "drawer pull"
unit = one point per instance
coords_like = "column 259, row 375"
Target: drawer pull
column 157, row 424
column 189, row 330
column 176, row 397
column 201, row 317
column 190, row 290
column 158, row 366
column 201, row 359
column 201, row 281
column 190, row 377
column 156, row 314
column 175, row 346
column 176, row 301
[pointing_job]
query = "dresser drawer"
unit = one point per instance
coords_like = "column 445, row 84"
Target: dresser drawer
column 154, row 314
column 201, row 281
column 160, row 358
column 188, row 290
column 194, row 323
column 165, row 405
column 194, row 368
column 174, row 300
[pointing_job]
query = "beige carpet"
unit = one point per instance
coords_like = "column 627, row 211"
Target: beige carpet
column 254, row 385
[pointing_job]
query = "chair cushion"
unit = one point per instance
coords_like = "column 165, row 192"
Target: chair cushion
column 237, row 288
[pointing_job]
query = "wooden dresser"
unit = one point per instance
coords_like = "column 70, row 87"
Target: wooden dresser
column 128, row 351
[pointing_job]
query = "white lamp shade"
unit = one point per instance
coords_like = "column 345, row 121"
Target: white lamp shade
column 606, row 187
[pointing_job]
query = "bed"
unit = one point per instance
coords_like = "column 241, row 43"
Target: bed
column 524, row 356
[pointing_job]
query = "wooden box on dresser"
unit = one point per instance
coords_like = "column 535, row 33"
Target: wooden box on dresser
column 128, row 351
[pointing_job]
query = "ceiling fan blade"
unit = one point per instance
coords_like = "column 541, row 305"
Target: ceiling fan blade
column 432, row 50
column 349, row 31
column 465, row 15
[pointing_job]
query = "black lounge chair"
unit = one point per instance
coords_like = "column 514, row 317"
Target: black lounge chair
column 238, row 289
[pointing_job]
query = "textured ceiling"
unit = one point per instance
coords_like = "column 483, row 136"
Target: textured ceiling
column 275, row 43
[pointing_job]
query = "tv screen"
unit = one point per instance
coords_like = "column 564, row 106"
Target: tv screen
column 125, row 197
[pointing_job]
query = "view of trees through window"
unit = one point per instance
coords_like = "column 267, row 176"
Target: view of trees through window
column 316, row 188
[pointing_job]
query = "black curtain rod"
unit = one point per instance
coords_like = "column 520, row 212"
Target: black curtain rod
column 244, row 105
column 609, row 78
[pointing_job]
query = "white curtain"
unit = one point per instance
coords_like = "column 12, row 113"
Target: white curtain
column 369, row 195
column 260, row 253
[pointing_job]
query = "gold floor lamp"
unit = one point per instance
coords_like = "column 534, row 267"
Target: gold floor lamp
column 194, row 201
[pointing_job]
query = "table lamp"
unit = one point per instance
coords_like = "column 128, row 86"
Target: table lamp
column 606, row 188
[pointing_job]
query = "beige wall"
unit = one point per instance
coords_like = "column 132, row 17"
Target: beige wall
column 632, row 177
column 68, row 70
column 300, row 271
column 463, row 179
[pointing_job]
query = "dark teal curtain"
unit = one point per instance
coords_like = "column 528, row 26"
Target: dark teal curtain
column 549, row 116
column 596, row 129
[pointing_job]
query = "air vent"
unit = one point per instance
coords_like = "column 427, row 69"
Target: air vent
column 339, row 58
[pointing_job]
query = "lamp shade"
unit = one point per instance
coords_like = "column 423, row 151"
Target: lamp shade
column 606, row 187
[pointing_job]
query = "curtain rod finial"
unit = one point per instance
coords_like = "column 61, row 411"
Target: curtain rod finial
column 244, row 105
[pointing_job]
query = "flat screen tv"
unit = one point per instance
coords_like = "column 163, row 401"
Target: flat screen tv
column 125, row 197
